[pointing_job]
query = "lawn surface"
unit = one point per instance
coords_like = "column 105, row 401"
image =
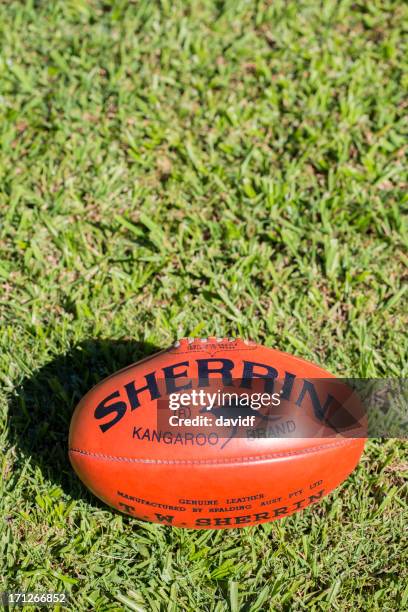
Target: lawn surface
column 174, row 169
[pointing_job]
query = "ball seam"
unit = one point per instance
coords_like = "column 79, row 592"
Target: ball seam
column 219, row 460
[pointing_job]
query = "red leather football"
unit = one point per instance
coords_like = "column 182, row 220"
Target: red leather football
column 144, row 458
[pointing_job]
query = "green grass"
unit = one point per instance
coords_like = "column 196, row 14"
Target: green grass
column 171, row 169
